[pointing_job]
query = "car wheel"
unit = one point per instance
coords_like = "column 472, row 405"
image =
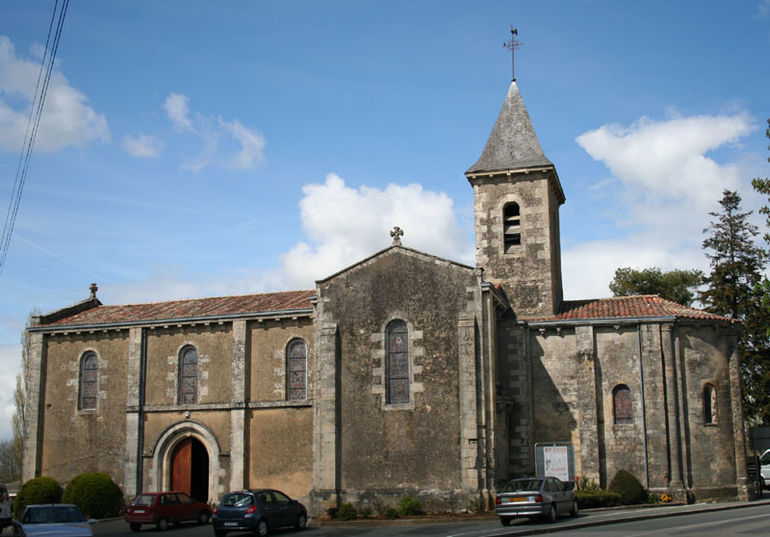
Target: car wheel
column 301, row 521
column 134, row 526
column 506, row 520
column 574, row 511
column 162, row 524
column 552, row 514
column 262, row 528
column 203, row 517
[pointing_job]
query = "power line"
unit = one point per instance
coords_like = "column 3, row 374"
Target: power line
column 33, row 123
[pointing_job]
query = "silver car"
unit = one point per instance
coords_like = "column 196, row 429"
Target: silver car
column 61, row 519
column 546, row 497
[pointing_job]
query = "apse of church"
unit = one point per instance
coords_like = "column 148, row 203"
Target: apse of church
column 403, row 374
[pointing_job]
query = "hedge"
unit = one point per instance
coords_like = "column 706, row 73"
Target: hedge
column 95, row 494
column 34, row 491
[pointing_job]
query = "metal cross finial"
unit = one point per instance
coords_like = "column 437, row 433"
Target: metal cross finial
column 397, row 233
column 512, row 45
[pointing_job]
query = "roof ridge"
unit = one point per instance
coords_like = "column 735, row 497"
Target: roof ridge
column 221, row 297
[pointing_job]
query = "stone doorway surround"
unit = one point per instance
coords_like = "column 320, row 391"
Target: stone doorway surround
column 160, row 463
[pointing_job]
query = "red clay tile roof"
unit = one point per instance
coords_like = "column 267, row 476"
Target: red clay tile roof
column 186, row 309
column 628, row 307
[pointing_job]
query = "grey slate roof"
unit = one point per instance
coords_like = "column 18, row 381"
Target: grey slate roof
column 513, row 144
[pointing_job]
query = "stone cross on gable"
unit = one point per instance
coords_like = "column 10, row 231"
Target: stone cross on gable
column 396, row 234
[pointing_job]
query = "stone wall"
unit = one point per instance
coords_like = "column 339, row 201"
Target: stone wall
column 75, row 441
column 387, row 451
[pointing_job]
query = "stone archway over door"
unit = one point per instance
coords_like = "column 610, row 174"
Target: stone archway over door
column 190, row 469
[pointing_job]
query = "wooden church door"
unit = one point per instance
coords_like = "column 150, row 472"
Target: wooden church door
column 181, row 467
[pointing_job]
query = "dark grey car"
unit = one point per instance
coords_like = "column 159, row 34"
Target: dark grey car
column 259, row 510
column 536, row 497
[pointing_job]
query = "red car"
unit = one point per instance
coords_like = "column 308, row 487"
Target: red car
column 164, row 508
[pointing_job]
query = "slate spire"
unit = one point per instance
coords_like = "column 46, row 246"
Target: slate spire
column 513, row 144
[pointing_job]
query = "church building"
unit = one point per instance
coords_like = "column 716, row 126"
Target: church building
column 403, row 374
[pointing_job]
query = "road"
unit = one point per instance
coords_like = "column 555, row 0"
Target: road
column 753, row 520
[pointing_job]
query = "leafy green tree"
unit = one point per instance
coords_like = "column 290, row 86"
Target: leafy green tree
column 677, row 285
column 737, row 265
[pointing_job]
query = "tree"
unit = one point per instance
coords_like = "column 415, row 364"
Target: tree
column 677, row 285
column 737, row 265
column 20, row 399
column 10, row 469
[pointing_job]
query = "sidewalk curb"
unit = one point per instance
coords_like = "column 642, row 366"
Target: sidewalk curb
column 682, row 511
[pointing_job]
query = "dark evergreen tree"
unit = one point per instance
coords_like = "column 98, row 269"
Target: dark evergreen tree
column 677, row 285
column 737, row 265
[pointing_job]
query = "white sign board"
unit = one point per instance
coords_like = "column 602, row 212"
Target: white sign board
column 556, row 462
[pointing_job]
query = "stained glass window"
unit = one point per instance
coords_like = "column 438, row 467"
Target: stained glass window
column 624, row 412
column 397, row 363
column 188, row 376
column 297, row 371
column 89, row 381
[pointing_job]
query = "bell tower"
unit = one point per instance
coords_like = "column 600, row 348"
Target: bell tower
column 517, row 195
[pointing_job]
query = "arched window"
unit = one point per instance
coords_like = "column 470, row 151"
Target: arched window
column 296, row 366
column 709, row 404
column 188, row 376
column 511, row 226
column 89, row 381
column 623, row 404
column 397, row 363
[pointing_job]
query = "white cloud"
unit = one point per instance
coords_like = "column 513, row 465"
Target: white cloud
column 178, row 111
column 345, row 225
column 588, row 267
column 666, row 160
column 67, row 119
column 668, row 184
column 143, row 145
column 243, row 147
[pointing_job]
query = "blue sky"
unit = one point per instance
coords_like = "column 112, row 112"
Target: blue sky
column 193, row 148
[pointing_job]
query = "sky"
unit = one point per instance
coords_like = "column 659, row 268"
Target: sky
column 191, row 149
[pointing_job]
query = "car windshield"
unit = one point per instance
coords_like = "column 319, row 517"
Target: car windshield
column 524, row 484
column 53, row 515
column 237, row 500
column 144, row 500
column 765, row 458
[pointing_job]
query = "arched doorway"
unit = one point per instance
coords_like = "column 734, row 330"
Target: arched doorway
column 190, row 469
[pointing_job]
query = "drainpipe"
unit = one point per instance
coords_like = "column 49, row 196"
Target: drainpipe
column 140, row 426
column 644, row 408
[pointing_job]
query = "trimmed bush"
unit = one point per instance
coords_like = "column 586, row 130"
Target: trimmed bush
column 34, row 491
column 409, row 506
column 346, row 512
column 391, row 513
column 95, row 494
column 588, row 499
column 629, row 488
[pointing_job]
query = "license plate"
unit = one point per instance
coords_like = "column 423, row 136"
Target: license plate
column 231, row 523
column 517, row 499
column 139, row 511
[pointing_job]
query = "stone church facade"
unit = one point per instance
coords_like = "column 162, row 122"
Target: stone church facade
column 404, row 373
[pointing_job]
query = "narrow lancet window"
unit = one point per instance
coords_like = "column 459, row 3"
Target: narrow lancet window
column 511, row 227
column 297, row 370
column 709, row 404
column 89, row 381
column 188, row 376
column 397, row 363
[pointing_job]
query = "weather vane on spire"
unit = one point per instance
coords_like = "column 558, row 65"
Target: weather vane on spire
column 512, row 45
